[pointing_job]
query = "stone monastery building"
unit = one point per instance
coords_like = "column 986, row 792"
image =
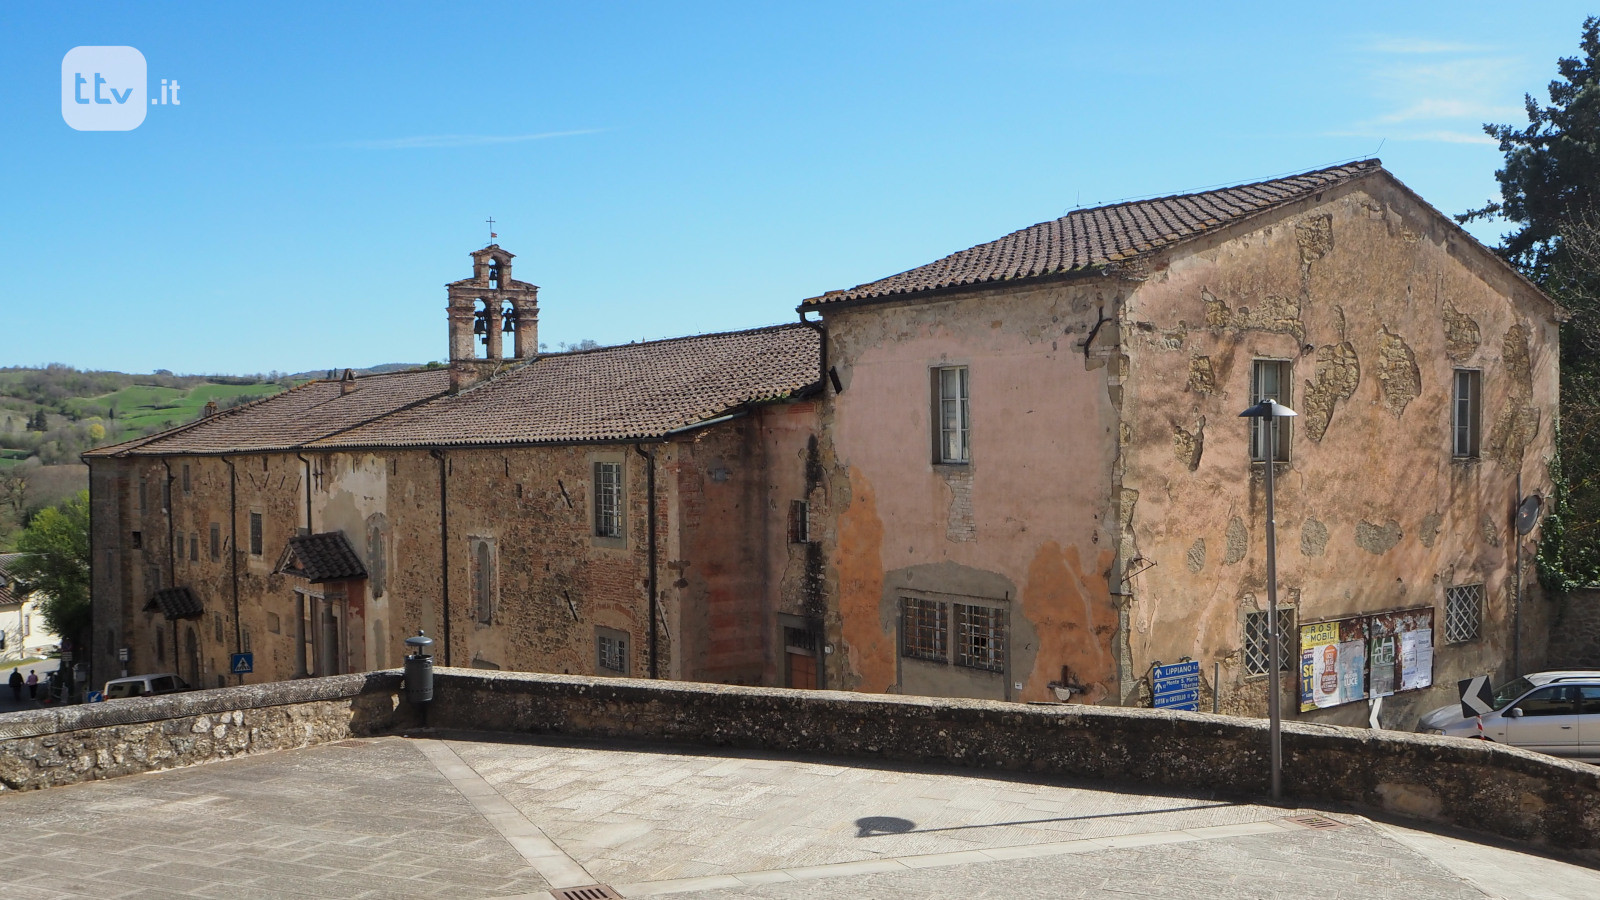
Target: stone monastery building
column 1017, row 472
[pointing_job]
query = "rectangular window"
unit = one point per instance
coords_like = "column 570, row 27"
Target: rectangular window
column 608, row 499
column 799, row 522
column 186, row 482
column 161, row 645
column 136, row 540
column 216, row 541
column 1258, row 646
column 1463, row 612
column 483, row 586
column 1270, row 380
column 951, row 430
column 180, row 545
column 611, row 652
column 924, row 629
column 980, row 637
column 1464, row 414
column 144, row 495
column 194, row 546
column 216, row 624
column 255, row 534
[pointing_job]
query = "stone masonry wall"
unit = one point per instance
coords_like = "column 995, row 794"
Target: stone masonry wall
column 1481, row 786
column 1575, row 635
column 46, row 748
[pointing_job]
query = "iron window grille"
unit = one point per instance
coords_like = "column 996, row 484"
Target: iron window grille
column 1270, row 380
column 612, row 653
column 924, row 629
column 980, row 637
column 1463, row 612
column 255, row 534
column 953, row 427
column 1258, row 645
column 799, row 522
column 608, row 499
column 1464, row 407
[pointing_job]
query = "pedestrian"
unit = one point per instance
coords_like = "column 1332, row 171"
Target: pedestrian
column 16, row 685
column 33, row 685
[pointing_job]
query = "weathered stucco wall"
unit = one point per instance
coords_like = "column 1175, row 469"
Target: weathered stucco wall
column 1482, row 786
column 1374, row 301
column 46, row 748
column 1027, row 525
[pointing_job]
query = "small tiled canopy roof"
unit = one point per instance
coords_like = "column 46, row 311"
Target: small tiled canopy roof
column 1087, row 238
column 176, row 603
column 322, row 557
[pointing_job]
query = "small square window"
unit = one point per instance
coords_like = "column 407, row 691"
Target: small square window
column 924, row 629
column 1465, row 405
column 608, row 499
column 1270, row 380
column 1463, row 613
column 1258, row 644
column 951, row 423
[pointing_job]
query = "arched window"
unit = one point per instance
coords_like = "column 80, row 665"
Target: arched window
column 494, row 274
column 483, row 581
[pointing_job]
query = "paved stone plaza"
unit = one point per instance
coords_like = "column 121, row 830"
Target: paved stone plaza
column 479, row 818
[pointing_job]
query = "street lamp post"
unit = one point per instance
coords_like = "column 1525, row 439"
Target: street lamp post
column 1271, row 410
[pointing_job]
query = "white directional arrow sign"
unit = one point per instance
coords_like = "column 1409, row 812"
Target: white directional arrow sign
column 1477, row 697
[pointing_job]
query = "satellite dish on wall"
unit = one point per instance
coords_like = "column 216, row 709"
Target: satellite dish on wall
column 1528, row 513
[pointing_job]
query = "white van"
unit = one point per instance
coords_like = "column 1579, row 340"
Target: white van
column 1552, row 712
column 145, row 686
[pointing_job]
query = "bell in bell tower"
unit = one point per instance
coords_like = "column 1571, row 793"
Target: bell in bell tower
column 488, row 312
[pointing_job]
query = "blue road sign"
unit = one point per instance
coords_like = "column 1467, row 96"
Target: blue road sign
column 1176, row 686
column 93, row 697
column 243, row 663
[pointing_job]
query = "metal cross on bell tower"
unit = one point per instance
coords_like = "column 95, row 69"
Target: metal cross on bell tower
column 492, row 235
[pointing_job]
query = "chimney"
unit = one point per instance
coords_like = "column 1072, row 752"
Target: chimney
column 210, row 410
column 347, row 383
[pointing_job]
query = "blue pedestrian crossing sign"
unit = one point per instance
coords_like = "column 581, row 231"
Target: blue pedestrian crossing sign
column 1176, row 686
column 243, row 663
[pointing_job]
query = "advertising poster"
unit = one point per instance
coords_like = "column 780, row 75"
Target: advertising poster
column 1365, row 656
column 1319, row 665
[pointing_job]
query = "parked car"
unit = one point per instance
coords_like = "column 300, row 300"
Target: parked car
column 145, row 686
column 1552, row 712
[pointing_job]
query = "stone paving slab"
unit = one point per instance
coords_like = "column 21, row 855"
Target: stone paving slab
column 468, row 818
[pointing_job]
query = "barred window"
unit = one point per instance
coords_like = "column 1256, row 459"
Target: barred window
column 255, row 534
column 980, row 637
column 924, row 629
column 608, row 499
column 1258, row 646
column 1463, row 612
column 799, row 522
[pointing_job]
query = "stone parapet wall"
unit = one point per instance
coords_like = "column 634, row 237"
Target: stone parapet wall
column 1480, row 786
column 49, row 747
column 1575, row 636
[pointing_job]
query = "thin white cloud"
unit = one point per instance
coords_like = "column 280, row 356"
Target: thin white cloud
column 1419, row 45
column 431, row 141
column 1449, row 108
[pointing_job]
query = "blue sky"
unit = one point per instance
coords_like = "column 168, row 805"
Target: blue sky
column 666, row 169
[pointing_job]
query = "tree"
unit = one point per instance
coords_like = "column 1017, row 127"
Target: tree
column 55, row 562
column 1550, row 190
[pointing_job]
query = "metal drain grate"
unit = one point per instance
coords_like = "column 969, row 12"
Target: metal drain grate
column 592, row 892
column 1318, row 822
column 352, row 743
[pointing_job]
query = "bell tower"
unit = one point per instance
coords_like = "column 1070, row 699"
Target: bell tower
column 488, row 312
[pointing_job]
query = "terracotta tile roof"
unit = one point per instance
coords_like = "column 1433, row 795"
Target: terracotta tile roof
column 175, row 603
column 322, row 557
column 626, row 392
column 10, row 591
column 1088, row 238
column 293, row 418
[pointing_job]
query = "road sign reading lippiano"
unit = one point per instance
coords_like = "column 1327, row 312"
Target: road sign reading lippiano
column 1176, row 686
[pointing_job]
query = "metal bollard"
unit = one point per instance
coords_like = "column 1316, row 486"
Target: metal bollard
column 419, row 668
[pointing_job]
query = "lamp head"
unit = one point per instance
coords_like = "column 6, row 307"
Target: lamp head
column 1268, row 409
